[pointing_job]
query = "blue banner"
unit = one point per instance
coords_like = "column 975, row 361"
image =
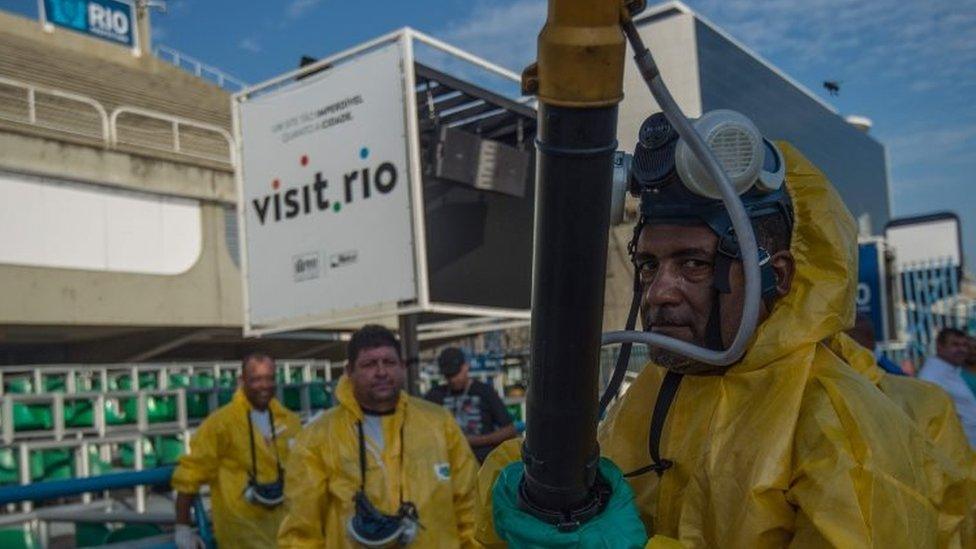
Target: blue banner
column 110, row 20
column 871, row 284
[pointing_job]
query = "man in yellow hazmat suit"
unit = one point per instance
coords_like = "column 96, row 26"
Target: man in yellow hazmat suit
column 931, row 410
column 239, row 450
column 382, row 468
column 790, row 445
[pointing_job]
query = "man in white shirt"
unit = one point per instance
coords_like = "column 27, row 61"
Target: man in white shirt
column 944, row 370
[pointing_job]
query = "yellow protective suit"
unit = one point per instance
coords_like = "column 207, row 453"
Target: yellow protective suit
column 323, row 475
column 220, row 456
column 932, row 411
column 790, row 446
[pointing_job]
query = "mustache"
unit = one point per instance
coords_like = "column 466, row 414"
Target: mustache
column 664, row 317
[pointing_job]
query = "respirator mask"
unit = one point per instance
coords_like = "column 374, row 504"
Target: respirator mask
column 675, row 188
column 267, row 494
column 368, row 526
column 371, row 528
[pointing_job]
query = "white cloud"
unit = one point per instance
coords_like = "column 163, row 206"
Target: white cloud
column 250, row 45
column 912, row 42
column 951, row 144
column 503, row 33
column 298, row 8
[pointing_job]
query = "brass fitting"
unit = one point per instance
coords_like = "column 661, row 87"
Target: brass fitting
column 581, row 55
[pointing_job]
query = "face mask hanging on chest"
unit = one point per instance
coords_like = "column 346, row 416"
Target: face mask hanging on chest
column 369, row 527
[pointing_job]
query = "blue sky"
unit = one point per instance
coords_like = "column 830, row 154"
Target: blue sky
column 908, row 65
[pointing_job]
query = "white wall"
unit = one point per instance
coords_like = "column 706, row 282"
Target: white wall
column 46, row 222
column 672, row 42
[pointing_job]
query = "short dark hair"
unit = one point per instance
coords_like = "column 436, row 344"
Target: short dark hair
column 370, row 336
column 946, row 333
column 772, row 233
column 450, row 361
column 256, row 356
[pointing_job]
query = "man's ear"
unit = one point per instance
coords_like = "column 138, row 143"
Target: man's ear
column 784, row 266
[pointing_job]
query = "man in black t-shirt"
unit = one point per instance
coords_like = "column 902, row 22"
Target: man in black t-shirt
column 476, row 407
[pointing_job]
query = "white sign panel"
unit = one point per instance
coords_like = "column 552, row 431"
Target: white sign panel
column 925, row 241
column 326, row 194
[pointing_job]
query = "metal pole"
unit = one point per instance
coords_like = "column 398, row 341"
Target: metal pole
column 411, row 351
column 578, row 80
column 575, row 151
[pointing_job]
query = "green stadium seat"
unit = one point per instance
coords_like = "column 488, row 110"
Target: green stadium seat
column 168, row 449
column 18, row 385
column 18, row 538
column 90, row 534
column 9, row 473
column 321, row 395
column 228, row 378
column 32, row 417
column 293, row 398
column 55, row 383
column 196, row 403
column 147, row 380
column 115, row 413
column 158, row 409
column 127, row 455
column 95, row 464
column 55, row 464
column 79, row 413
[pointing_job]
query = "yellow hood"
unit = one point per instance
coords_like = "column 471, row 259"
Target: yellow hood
column 790, row 445
column 824, row 246
column 857, row 356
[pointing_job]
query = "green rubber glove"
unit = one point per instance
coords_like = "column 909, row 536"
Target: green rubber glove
column 617, row 527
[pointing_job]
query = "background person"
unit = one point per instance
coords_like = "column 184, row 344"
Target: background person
column 863, row 334
column 246, row 440
column 414, row 453
column 476, row 407
column 969, row 368
column 945, row 370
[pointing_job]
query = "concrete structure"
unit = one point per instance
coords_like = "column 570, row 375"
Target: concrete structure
column 117, row 192
column 707, row 69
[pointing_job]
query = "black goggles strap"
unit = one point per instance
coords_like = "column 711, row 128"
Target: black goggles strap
column 623, row 359
column 669, row 388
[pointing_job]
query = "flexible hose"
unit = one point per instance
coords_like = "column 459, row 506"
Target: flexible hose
column 737, row 214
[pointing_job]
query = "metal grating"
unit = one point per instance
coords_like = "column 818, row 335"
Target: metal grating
column 444, row 100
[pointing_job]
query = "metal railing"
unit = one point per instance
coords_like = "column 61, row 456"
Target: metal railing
column 171, row 135
column 82, row 451
column 50, row 114
column 199, row 68
column 35, row 522
column 58, row 110
column 930, row 301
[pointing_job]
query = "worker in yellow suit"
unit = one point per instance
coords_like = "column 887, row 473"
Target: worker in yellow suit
column 381, row 469
column 239, row 451
column 931, row 410
column 788, row 446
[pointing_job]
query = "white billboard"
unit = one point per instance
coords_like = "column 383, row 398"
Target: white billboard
column 326, row 195
column 925, row 239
